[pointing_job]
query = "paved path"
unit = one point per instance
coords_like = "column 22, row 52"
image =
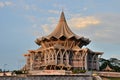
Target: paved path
column 97, row 78
column 109, row 74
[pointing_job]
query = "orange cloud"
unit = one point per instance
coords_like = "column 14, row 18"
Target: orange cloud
column 81, row 22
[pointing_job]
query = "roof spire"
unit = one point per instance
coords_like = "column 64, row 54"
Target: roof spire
column 62, row 30
column 62, row 17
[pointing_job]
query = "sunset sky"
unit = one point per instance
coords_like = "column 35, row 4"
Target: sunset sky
column 22, row 21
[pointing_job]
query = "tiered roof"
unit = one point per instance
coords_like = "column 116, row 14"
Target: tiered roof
column 62, row 31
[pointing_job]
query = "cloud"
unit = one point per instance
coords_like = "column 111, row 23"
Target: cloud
column 36, row 33
column 31, row 7
column 27, row 7
column 57, row 5
column 50, row 26
column 32, row 18
column 115, row 56
column 75, row 23
column 6, row 3
column 52, row 20
column 85, row 8
column 81, row 22
column 46, row 28
column 2, row 4
column 108, row 30
column 109, row 36
column 60, row 6
column 53, row 11
column 99, row 28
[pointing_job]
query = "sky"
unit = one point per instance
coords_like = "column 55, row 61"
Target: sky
column 22, row 21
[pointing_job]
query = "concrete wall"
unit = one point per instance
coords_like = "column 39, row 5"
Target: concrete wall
column 47, row 72
column 47, row 77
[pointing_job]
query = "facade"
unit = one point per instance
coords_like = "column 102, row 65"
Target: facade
column 62, row 50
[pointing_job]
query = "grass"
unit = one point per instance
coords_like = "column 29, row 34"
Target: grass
column 110, row 78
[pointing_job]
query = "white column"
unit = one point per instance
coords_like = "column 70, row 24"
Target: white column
column 67, row 59
column 61, row 57
column 97, row 63
column 56, row 54
column 98, row 57
column 86, row 62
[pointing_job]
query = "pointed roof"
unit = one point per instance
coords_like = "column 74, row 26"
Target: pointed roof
column 107, row 68
column 62, row 30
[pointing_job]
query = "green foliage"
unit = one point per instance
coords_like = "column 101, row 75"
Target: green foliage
column 116, row 68
column 20, row 72
column 17, row 72
column 103, row 66
column 0, row 70
column 75, row 71
column 113, row 63
column 82, row 71
column 110, row 78
column 78, row 71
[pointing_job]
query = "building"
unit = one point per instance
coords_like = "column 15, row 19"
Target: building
column 62, row 50
column 107, row 68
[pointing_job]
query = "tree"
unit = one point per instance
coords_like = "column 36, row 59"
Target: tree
column 0, row 70
column 104, row 64
column 113, row 63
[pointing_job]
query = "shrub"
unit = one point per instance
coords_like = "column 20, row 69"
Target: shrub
column 78, row 71
column 82, row 71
